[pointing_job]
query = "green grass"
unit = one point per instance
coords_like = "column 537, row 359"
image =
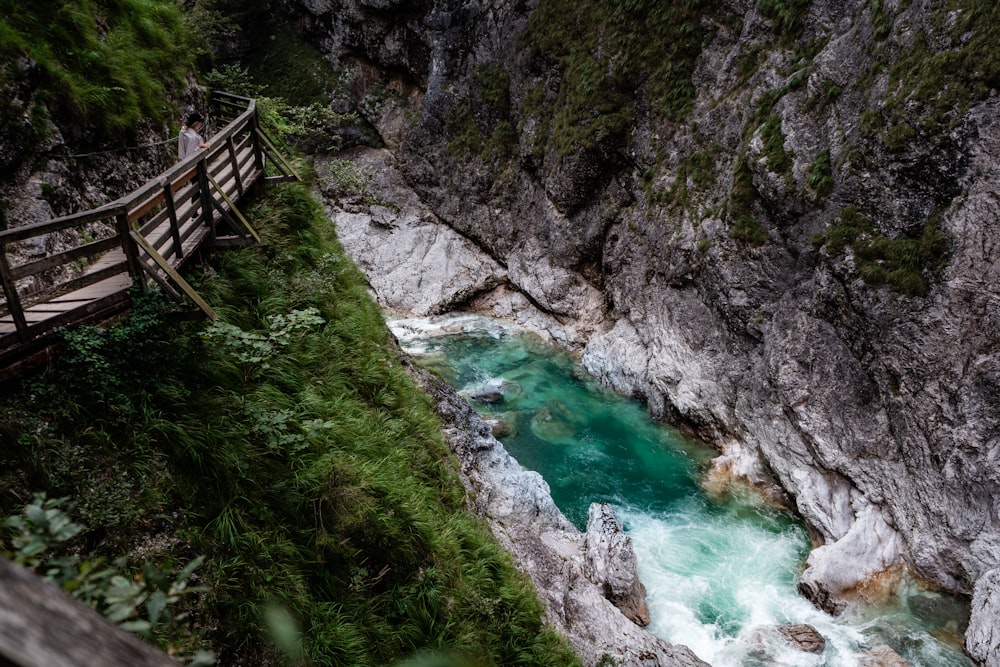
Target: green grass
column 786, row 17
column 605, row 52
column 819, row 175
column 930, row 89
column 106, row 65
column 317, row 485
column 744, row 226
column 903, row 264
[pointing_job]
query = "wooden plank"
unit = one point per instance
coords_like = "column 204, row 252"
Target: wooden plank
column 154, row 200
column 52, row 261
column 232, row 207
column 84, row 310
column 176, row 277
column 13, row 300
column 107, row 212
column 80, row 282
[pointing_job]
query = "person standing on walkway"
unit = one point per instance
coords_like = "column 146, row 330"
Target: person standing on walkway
column 190, row 141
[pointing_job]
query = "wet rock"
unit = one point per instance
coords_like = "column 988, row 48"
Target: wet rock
column 882, row 656
column 551, row 428
column 609, row 562
column 501, row 427
column 489, row 394
column 805, row 637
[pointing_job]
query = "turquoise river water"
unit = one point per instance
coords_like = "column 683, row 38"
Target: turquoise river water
column 718, row 570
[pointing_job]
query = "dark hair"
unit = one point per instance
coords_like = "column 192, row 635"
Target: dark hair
column 193, row 117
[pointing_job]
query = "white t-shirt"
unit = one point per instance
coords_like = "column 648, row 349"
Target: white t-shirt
column 187, row 142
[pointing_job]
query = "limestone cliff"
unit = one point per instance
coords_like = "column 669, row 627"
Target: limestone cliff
column 776, row 222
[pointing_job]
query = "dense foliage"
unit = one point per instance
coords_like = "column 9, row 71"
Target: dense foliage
column 105, row 64
column 290, row 448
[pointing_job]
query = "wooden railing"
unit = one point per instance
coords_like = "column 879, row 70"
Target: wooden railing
column 138, row 240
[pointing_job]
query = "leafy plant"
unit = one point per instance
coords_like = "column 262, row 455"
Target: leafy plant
column 254, row 351
column 142, row 604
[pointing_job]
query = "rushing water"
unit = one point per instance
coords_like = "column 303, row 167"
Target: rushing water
column 718, row 571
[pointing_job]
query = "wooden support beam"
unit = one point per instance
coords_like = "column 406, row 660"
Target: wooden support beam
column 128, row 247
column 13, row 301
column 277, row 156
column 176, row 277
column 236, row 165
column 41, row 625
column 168, row 198
column 232, row 207
column 206, row 200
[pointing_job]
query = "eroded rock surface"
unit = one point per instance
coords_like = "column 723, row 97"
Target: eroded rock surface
column 982, row 639
column 610, row 563
column 707, row 265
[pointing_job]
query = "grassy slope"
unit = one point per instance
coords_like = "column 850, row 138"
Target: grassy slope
column 320, row 484
column 101, row 64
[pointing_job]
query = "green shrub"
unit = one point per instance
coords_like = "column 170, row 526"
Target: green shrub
column 903, row 264
column 819, row 175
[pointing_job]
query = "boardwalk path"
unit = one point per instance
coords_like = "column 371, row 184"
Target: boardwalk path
column 138, row 240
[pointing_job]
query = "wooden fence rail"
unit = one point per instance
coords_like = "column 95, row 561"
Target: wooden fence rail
column 137, row 240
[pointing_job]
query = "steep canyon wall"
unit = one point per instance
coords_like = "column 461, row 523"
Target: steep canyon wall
column 775, row 222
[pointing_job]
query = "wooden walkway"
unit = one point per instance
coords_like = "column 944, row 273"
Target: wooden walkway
column 137, row 241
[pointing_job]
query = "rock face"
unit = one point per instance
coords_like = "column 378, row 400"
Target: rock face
column 803, row 636
column 579, row 577
column 610, row 562
column 982, row 640
column 804, row 268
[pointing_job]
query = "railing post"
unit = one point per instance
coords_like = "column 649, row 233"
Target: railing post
column 258, row 150
column 236, row 165
column 13, row 301
column 128, row 247
column 206, row 199
column 175, row 230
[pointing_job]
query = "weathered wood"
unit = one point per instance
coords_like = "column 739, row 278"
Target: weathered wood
column 276, row 155
column 128, row 247
column 13, row 300
column 57, row 224
column 86, row 280
column 52, row 261
column 41, row 626
column 176, row 277
column 232, row 207
column 236, row 165
column 206, row 199
column 168, row 197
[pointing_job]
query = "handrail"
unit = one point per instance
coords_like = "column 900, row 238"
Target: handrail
column 173, row 215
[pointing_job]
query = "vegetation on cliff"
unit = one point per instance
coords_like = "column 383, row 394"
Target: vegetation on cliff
column 291, row 449
column 104, row 65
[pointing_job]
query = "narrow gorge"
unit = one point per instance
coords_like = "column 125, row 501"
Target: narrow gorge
column 775, row 223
